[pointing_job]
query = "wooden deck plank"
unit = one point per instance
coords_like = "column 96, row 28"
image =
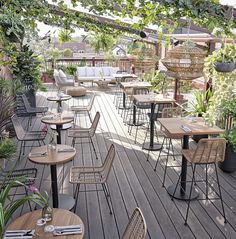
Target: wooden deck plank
column 132, row 181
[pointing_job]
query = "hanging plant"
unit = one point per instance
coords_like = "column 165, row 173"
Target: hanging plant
column 65, row 36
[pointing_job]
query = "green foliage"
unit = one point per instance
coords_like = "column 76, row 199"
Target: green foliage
column 7, row 148
column 230, row 136
column 7, row 102
column 71, row 69
column 50, row 74
column 201, row 103
column 223, row 84
column 101, row 41
column 185, row 86
column 229, row 107
column 67, row 52
column 65, row 36
column 158, row 80
column 27, row 68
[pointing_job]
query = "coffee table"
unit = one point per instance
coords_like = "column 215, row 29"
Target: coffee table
column 61, row 217
column 41, row 155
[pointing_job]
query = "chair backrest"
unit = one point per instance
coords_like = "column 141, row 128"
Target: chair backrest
column 209, row 151
column 94, row 124
column 136, row 227
column 106, row 167
column 28, row 107
column 91, row 102
column 141, row 91
column 20, row 132
column 171, row 112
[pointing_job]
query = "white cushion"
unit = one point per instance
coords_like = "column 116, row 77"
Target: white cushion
column 106, row 71
column 62, row 74
column 81, row 71
column 98, row 71
column 90, row 71
column 55, row 73
column 113, row 70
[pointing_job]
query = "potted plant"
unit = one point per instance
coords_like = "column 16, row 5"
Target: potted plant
column 229, row 164
column 200, row 106
column 7, row 149
column 224, row 59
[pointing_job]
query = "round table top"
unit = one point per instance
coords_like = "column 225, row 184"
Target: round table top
column 59, row 98
column 43, row 155
column 57, row 120
column 61, row 217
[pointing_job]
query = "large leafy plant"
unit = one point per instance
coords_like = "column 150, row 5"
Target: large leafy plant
column 7, row 148
column 230, row 136
column 27, row 68
column 202, row 98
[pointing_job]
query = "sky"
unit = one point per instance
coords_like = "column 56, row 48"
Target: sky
column 44, row 28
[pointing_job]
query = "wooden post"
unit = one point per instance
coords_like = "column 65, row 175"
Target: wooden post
column 212, row 46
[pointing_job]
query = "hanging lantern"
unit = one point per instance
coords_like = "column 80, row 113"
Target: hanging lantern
column 185, row 61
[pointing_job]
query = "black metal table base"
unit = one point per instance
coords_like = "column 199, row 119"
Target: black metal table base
column 131, row 123
column 64, row 127
column 182, row 195
column 65, row 201
column 155, row 147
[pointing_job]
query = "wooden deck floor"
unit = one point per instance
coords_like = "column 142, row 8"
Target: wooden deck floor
column 133, row 183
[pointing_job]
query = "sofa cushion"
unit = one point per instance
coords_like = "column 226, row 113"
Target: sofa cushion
column 98, row 72
column 106, row 71
column 62, row 74
column 55, row 73
column 90, row 71
column 81, row 71
column 113, row 70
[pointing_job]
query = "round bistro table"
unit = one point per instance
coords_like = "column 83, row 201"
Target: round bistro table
column 61, row 217
column 41, row 155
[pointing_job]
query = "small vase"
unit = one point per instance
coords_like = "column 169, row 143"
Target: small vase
column 47, row 213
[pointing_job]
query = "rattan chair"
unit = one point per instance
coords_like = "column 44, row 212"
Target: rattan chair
column 32, row 110
column 136, row 228
column 84, row 109
column 26, row 136
column 93, row 175
column 171, row 112
column 81, row 133
column 208, row 151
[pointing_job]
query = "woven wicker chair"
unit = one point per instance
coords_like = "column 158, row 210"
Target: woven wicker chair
column 136, row 228
column 93, row 175
column 81, row 133
column 32, row 110
column 84, row 109
column 208, row 151
column 171, row 112
column 24, row 136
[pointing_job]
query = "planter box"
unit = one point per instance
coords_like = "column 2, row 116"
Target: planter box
column 46, row 79
column 229, row 164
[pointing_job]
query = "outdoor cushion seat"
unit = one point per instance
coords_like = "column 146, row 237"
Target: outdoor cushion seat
column 63, row 79
column 76, row 91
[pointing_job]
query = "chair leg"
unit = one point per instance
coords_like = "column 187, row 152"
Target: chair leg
column 159, row 155
column 23, row 148
column 106, row 196
column 94, row 148
column 172, row 197
column 76, row 194
column 206, row 183
column 107, row 189
column 73, row 142
column 26, row 192
column 222, row 204
column 167, row 157
column 190, row 194
column 90, row 118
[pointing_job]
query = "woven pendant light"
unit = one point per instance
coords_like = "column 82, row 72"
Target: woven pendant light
column 185, row 61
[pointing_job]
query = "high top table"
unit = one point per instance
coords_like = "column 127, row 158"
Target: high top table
column 59, row 122
column 153, row 99
column 132, row 85
column 197, row 127
column 41, row 155
column 61, row 217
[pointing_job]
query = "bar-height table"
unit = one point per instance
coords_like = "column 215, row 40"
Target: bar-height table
column 174, row 126
column 63, row 154
column 61, row 217
column 153, row 99
column 132, row 85
column 59, row 122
